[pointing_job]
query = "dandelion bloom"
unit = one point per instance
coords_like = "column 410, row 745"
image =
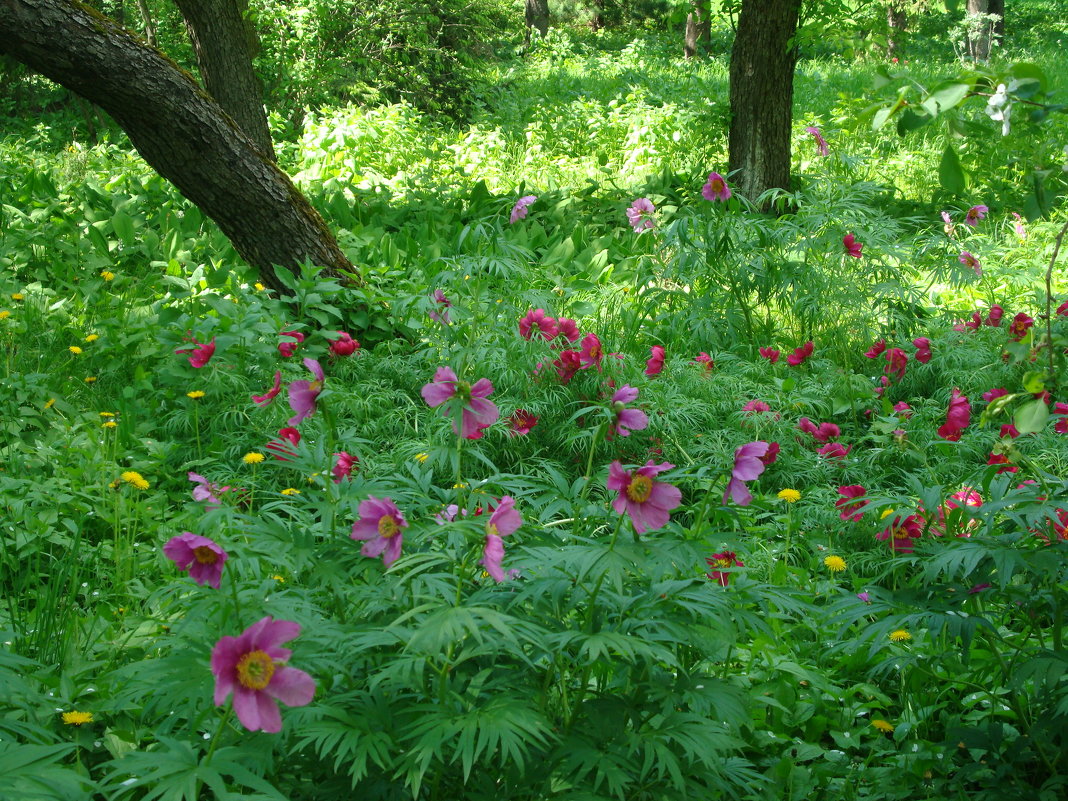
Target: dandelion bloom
column 975, row 214
column 344, row 466
column 76, row 718
column 592, row 354
column 900, row 635
column 969, row 260
column 706, row 360
column 519, row 210
column 836, row 564
column 536, row 318
column 800, row 355
column 923, row 349
column 253, row 668
column 852, row 504
column 135, row 479
column 441, row 313
column 771, row 354
column 344, row 345
column 196, row 394
column 568, row 329
column 202, row 558
column 1021, row 324
column 656, row 361
column 625, row 420
column 721, row 563
column 716, row 188
column 821, row 143
column 520, row 423
column 74, row 349
column 269, row 395
column 901, row 533
column 648, row 502
column 640, row 215
column 504, row 521
column 789, row 495
column 877, row 349
column 252, row 458
column 107, row 275
column 747, row 467
column 958, row 416
column 379, row 525
column 882, row 725
column 92, row 338
column 302, row 394
column 200, row 354
column 287, row 349
column 852, row 246
column 477, row 412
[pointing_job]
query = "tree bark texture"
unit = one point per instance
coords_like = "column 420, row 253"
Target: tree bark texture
column 979, row 42
column 225, row 44
column 537, row 16
column 897, row 20
column 146, row 21
column 697, row 26
column 178, row 128
column 761, row 95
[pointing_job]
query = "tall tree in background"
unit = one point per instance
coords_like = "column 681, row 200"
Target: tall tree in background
column 762, row 95
column 697, row 25
column 537, row 16
column 179, row 129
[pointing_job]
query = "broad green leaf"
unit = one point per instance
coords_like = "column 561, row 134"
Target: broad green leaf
column 950, row 173
column 910, row 121
column 1031, row 417
column 945, row 96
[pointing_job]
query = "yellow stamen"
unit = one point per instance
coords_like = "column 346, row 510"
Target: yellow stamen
column 255, row 669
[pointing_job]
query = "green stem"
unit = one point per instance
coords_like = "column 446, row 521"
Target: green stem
column 597, row 436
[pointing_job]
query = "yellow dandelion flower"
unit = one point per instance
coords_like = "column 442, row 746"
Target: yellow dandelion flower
column 900, row 635
column 140, row 484
column 460, row 485
column 883, row 726
column 17, row 296
column 789, row 495
column 114, row 484
column 74, row 349
column 259, row 287
column 107, row 414
column 107, row 275
column 886, row 513
column 312, row 477
column 76, row 718
column 421, row 457
column 252, row 458
column 89, row 379
column 111, row 424
column 92, row 338
column 836, row 564
column 130, row 476
column 4, row 314
column 290, row 491
column 279, row 579
column 50, row 403
column 195, row 394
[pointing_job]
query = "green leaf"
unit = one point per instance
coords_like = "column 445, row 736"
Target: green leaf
column 950, row 173
column 945, row 96
column 1031, row 417
column 910, row 121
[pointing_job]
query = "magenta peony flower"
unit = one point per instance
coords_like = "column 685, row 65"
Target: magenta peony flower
column 504, row 521
column 520, row 423
column 302, row 394
column 592, row 354
column 379, row 524
column 993, row 319
column 477, row 413
column 747, row 467
column 706, row 360
column 968, row 260
column 771, row 455
column 252, row 667
column 992, row 394
column 535, row 318
column 640, row 215
column 947, row 223
column 756, row 406
column 896, row 362
column 877, row 349
column 800, row 355
column 626, row 420
column 923, row 349
column 1000, row 458
column 287, row 349
column 903, row 409
column 852, row 246
column 852, row 504
column 206, row 491
column 656, row 361
column 519, row 210
column 1062, row 310
column 269, row 395
column 344, row 345
column 771, row 354
column 834, row 450
column 344, row 466
column 974, row 215
column 824, row 432
column 716, row 188
column 201, row 557
column 1009, row 430
column 901, row 533
column 821, row 143
column 1060, row 410
column 568, row 329
column 648, row 502
column 1021, row 324
column 567, row 364
column 723, row 562
column 281, row 447
column 441, row 313
column 958, row 416
column 201, row 354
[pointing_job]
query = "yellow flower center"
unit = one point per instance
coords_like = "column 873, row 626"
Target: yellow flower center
column 492, row 529
column 387, row 527
column 255, row 670
column 205, row 555
column 640, row 488
column 723, row 563
column 315, row 386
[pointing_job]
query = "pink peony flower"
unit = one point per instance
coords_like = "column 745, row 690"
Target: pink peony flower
column 824, row 432
column 477, row 413
column 800, row 355
column 344, row 466
column 287, row 349
column 901, row 533
column 1018, row 226
column 253, row 668
column 379, row 525
column 535, row 318
column 966, row 496
column 504, row 521
column 771, row 455
column 903, row 409
column 441, row 313
column 865, row 597
column 568, row 329
column 269, row 395
column 748, row 465
column 648, row 502
column 992, row 394
column 201, row 354
column 852, row 246
column 279, row 447
column 852, row 504
column 968, row 260
column 1021, row 324
column 958, row 416
column 706, row 360
column 592, row 354
column 877, row 349
column 520, row 423
column 974, row 215
column 896, row 362
column 721, row 564
column 640, row 215
column 993, row 319
column 756, row 406
column 302, row 394
column 202, row 558
column 834, row 450
column 923, row 349
column 344, row 345
column 206, row 491
column 716, row 188
column 1009, row 430
column 519, row 210
column 656, row 361
column 567, row 364
column 1062, row 310
column 948, row 226
column 1061, row 410
column 626, row 420
column 771, row 354
column 821, row 143
column 1002, row 459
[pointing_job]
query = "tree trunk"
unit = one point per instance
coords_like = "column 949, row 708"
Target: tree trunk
column 537, row 15
column 761, row 95
column 597, row 20
column 146, row 21
column 177, row 128
column 897, row 20
column 225, row 44
column 998, row 7
column 979, row 37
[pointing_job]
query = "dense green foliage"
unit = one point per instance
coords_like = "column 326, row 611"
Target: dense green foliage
column 610, row 663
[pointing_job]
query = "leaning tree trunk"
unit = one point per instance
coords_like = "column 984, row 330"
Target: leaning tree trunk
column 146, row 20
column 897, row 20
column 762, row 95
column 225, row 44
column 537, row 16
column 178, row 128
